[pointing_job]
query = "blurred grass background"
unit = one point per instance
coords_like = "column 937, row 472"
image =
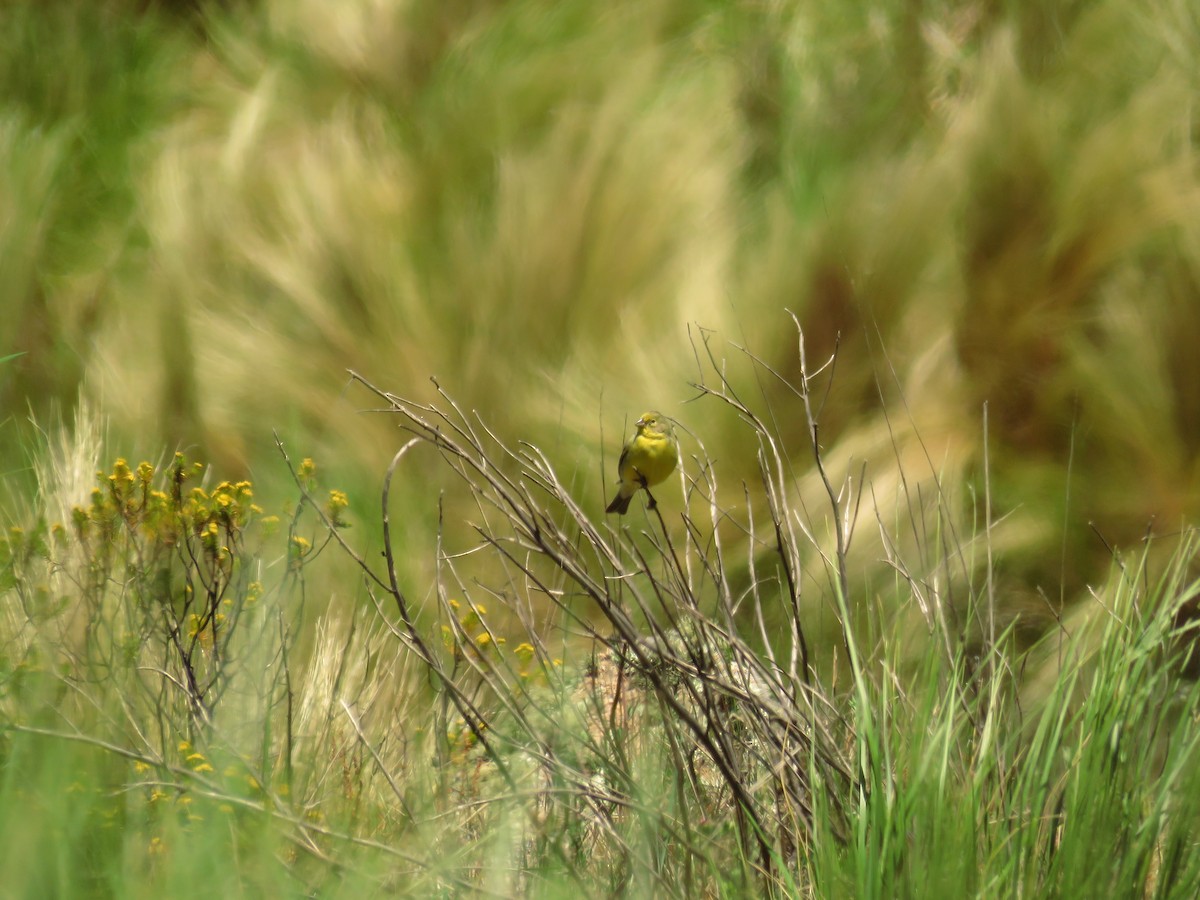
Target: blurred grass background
column 990, row 210
column 211, row 211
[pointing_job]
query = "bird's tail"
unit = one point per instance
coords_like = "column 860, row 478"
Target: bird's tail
column 620, row 504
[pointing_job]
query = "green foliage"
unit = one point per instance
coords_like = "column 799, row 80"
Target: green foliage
column 983, row 217
column 159, row 719
column 70, row 142
column 127, row 658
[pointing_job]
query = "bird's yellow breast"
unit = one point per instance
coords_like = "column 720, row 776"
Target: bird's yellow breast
column 651, row 457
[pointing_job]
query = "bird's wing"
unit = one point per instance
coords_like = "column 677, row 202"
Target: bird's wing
column 621, row 461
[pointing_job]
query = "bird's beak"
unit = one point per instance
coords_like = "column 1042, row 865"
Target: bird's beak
column 640, row 423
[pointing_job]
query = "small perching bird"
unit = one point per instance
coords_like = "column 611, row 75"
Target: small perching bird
column 649, row 457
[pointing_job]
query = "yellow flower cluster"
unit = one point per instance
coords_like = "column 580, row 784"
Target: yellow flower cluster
column 473, row 634
column 127, row 499
column 471, row 622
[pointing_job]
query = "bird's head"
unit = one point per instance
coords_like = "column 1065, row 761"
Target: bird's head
column 653, row 423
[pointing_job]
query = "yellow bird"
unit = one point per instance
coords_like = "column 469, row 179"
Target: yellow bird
column 649, row 457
